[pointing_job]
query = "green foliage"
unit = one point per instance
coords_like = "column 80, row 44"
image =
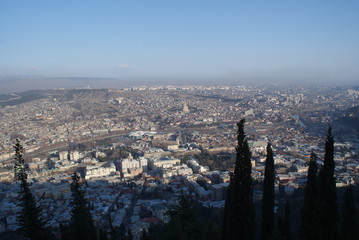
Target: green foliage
column 310, row 221
column 284, row 225
column 188, row 220
column 145, row 235
column 287, row 224
column 239, row 213
column 102, row 235
column 119, row 153
column 327, row 193
column 81, row 225
column 129, row 234
column 220, row 161
column 350, row 224
column 183, row 223
column 29, row 220
column 268, row 196
column 19, row 169
column 65, row 232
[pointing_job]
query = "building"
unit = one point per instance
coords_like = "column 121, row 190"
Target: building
column 143, row 163
column 74, row 155
column 185, row 108
column 129, row 164
column 63, row 155
column 163, row 162
column 219, row 191
column 106, row 169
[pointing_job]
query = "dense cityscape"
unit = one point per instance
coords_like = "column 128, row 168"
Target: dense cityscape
column 139, row 149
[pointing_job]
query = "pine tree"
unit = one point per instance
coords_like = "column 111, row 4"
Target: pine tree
column 327, row 193
column 239, row 214
column 29, row 218
column 350, row 221
column 81, row 224
column 309, row 221
column 268, row 196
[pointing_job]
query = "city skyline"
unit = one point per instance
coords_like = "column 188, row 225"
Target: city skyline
column 194, row 40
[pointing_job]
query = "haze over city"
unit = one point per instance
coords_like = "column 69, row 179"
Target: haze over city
column 177, row 42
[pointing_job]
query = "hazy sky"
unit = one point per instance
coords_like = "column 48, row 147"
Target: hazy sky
column 294, row 39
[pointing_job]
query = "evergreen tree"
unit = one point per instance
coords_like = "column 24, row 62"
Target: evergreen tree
column 212, row 232
column 287, row 224
column 81, row 224
column 29, row 217
column 309, row 221
column 239, row 215
column 129, row 234
column 64, row 231
column 145, row 235
column 268, row 196
column 327, row 193
column 350, row 221
column 122, row 232
column 183, row 225
column 183, row 221
column 228, row 218
column 102, row 235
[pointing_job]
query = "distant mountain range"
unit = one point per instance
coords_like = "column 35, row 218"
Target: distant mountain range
column 10, row 84
column 20, row 84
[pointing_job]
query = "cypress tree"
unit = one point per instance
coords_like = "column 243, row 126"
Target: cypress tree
column 287, row 224
column 122, row 232
column 129, row 234
column 268, row 196
column 145, row 235
column 64, row 231
column 29, row 217
column 81, row 224
column 350, row 221
column 327, row 193
column 102, row 235
column 228, row 218
column 183, row 222
column 239, row 216
column 309, row 221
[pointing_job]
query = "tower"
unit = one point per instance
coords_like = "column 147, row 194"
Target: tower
column 185, row 108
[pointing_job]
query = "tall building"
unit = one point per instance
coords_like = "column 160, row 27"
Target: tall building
column 143, row 163
column 74, row 155
column 63, row 155
column 185, row 108
column 130, row 165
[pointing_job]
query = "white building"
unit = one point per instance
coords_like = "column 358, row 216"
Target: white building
column 163, row 162
column 106, row 169
column 74, row 155
column 178, row 170
column 63, row 155
column 196, row 168
column 143, row 163
column 129, row 164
